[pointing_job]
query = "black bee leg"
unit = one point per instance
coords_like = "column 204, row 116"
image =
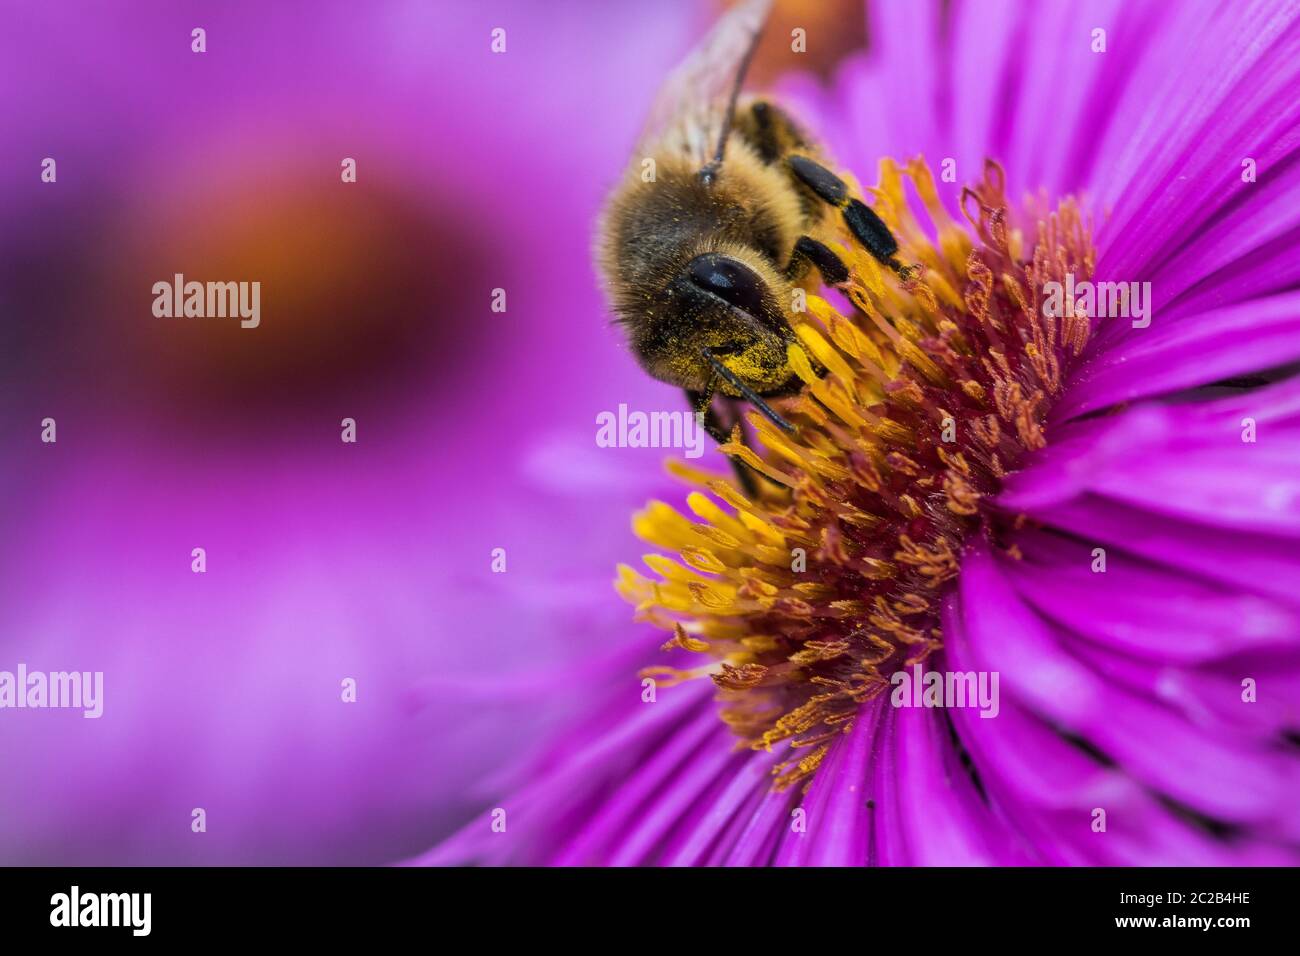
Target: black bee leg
column 702, row 404
column 867, row 227
column 808, row 250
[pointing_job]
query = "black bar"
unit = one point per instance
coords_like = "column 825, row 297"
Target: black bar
column 368, row 905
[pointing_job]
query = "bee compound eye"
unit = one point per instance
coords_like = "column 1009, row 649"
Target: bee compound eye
column 729, row 280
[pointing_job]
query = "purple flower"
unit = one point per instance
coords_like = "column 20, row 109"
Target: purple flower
column 1094, row 511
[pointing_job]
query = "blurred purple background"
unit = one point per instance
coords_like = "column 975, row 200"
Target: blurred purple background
column 325, row 560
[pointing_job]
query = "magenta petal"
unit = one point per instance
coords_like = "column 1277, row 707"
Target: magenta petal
column 944, row 820
column 1052, row 789
column 889, row 842
column 1256, row 217
column 1170, row 356
column 762, row 832
column 568, row 797
column 1177, row 158
column 802, row 848
column 1056, row 125
column 1210, row 696
column 905, row 55
column 839, row 822
column 670, row 795
column 985, row 70
column 1178, row 211
column 1200, row 768
column 1190, row 462
column 1234, row 486
column 715, row 827
column 1144, row 609
column 1253, row 564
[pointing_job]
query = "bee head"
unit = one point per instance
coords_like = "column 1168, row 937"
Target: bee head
column 734, row 313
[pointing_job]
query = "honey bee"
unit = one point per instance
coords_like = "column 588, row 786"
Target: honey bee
column 701, row 257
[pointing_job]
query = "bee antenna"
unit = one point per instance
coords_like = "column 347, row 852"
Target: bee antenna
column 750, row 395
column 709, row 171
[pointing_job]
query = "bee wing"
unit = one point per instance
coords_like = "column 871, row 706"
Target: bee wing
column 693, row 107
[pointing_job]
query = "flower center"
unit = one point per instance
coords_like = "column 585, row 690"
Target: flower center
column 807, row 597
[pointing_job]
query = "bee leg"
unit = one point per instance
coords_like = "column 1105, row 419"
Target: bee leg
column 809, row 251
column 867, row 227
column 702, row 404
